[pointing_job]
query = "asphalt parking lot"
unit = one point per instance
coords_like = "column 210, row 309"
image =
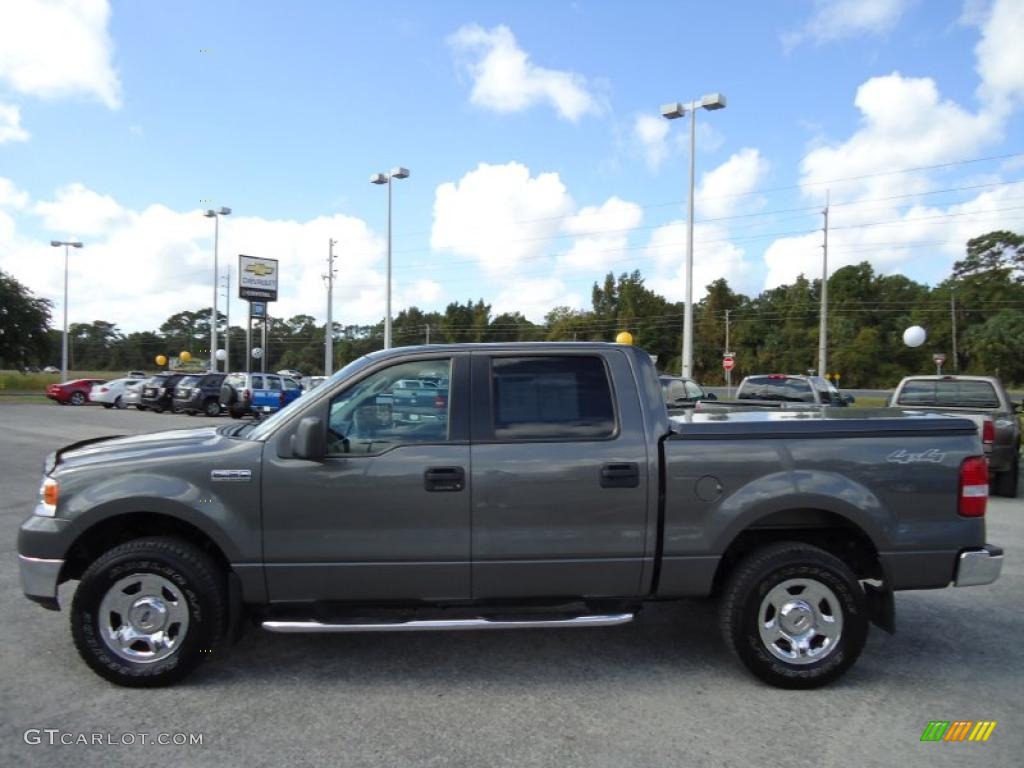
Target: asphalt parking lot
column 662, row 691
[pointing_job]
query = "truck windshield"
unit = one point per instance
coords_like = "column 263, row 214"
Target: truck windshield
column 949, row 393
column 776, row 388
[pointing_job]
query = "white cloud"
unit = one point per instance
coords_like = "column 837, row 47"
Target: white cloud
column 838, row 19
column 714, row 257
column 499, row 215
column 505, row 80
column 78, row 211
column 10, row 124
column 57, row 48
column 725, row 188
column 651, row 131
column 139, row 267
column 603, row 234
column 904, row 123
column 534, row 298
column 11, row 196
column 1000, row 54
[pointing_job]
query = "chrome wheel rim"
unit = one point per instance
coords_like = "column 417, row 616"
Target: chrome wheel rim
column 143, row 618
column 800, row 621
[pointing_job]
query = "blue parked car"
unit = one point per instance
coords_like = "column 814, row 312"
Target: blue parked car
column 257, row 393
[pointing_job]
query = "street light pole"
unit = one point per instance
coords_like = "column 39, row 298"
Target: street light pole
column 227, row 320
column 64, row 343
column 672, row 111
column 215, row 215
column 823, row 314
column 386, row 178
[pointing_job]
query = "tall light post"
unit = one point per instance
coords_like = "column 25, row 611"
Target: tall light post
column 64, row 344
column 215, row 215
column 385, row 178
column 671, row 112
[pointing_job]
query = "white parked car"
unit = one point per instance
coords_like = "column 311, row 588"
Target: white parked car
column 112, row 393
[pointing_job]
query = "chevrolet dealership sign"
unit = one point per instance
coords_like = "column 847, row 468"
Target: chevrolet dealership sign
column 257, row 278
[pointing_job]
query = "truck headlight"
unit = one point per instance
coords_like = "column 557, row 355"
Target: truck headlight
column 49, row 492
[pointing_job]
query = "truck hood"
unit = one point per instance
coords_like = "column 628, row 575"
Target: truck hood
column 120, row 447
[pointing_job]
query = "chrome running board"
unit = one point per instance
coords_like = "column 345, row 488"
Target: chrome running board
column 447, row 625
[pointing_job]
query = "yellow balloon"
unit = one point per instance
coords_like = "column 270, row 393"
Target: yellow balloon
column 624, row 337
column 161, row 360
column 185, row 356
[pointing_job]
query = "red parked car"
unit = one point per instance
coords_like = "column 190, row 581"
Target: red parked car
column 75, row 392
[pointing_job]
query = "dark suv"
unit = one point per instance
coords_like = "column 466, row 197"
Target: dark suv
column 158, row 392
column 199, row 394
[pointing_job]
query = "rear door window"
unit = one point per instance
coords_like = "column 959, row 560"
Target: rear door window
column 951, row 394
column 781, row 388
column 541, row 398
column 257, row 381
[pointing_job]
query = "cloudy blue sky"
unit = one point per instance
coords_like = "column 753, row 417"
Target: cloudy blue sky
column 538, row 157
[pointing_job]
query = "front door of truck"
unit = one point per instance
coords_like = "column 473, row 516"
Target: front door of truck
column 560, row 478
column 385, row 516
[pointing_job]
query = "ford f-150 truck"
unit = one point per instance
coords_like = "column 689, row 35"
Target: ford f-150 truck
column 551, row 490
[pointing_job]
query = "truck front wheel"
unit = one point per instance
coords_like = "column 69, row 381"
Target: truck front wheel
column 148, row 611
column 795, row 615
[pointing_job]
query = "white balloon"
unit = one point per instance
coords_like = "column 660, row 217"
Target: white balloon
column 914, row 336
column 220, row 354
column 257, row 352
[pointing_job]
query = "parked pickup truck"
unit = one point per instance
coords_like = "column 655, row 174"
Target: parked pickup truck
column 782, row 392
column 553, row 490
column 981, row 399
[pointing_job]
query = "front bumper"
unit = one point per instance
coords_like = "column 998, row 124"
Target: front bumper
column 39, row 580
column 978, row 566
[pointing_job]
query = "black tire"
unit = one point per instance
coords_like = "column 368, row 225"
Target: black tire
column 108, row 406
column 1005, row 483
column 119, row 403
column 156, row 408
column 190, row 570
column 140, row 407
column 211, row 407
column 747, row 590
column 77, row 398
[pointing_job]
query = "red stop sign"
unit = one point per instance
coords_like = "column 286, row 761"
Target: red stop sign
column 728, row 363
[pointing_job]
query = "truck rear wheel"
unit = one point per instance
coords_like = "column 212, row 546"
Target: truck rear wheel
column 147, row 612
column 795, row 615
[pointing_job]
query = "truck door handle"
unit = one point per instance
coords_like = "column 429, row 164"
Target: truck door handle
column 444, row 479
column 620, row 476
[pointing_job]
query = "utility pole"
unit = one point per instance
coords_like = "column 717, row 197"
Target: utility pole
column 823, row 330
column 329, row 328
column 428, row 333
column 952, row 317
column 728, row 351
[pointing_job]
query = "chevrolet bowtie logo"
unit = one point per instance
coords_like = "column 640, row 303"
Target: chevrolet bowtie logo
column 260, row 270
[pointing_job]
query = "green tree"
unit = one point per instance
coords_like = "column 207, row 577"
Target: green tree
column 24, row 322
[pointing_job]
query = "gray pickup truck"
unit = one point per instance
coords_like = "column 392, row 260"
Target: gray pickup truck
column 553, row 490
column 983, row 400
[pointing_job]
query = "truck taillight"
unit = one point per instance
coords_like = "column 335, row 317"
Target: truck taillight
column 440, row 401
column 988, row 432
column 247, row 395
column 973, row 486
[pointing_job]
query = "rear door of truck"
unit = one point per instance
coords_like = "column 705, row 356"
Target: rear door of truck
column 559, row 475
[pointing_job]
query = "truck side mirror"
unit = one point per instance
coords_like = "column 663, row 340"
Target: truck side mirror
column 849, row 399
column 310, row 439
column 710, row 396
